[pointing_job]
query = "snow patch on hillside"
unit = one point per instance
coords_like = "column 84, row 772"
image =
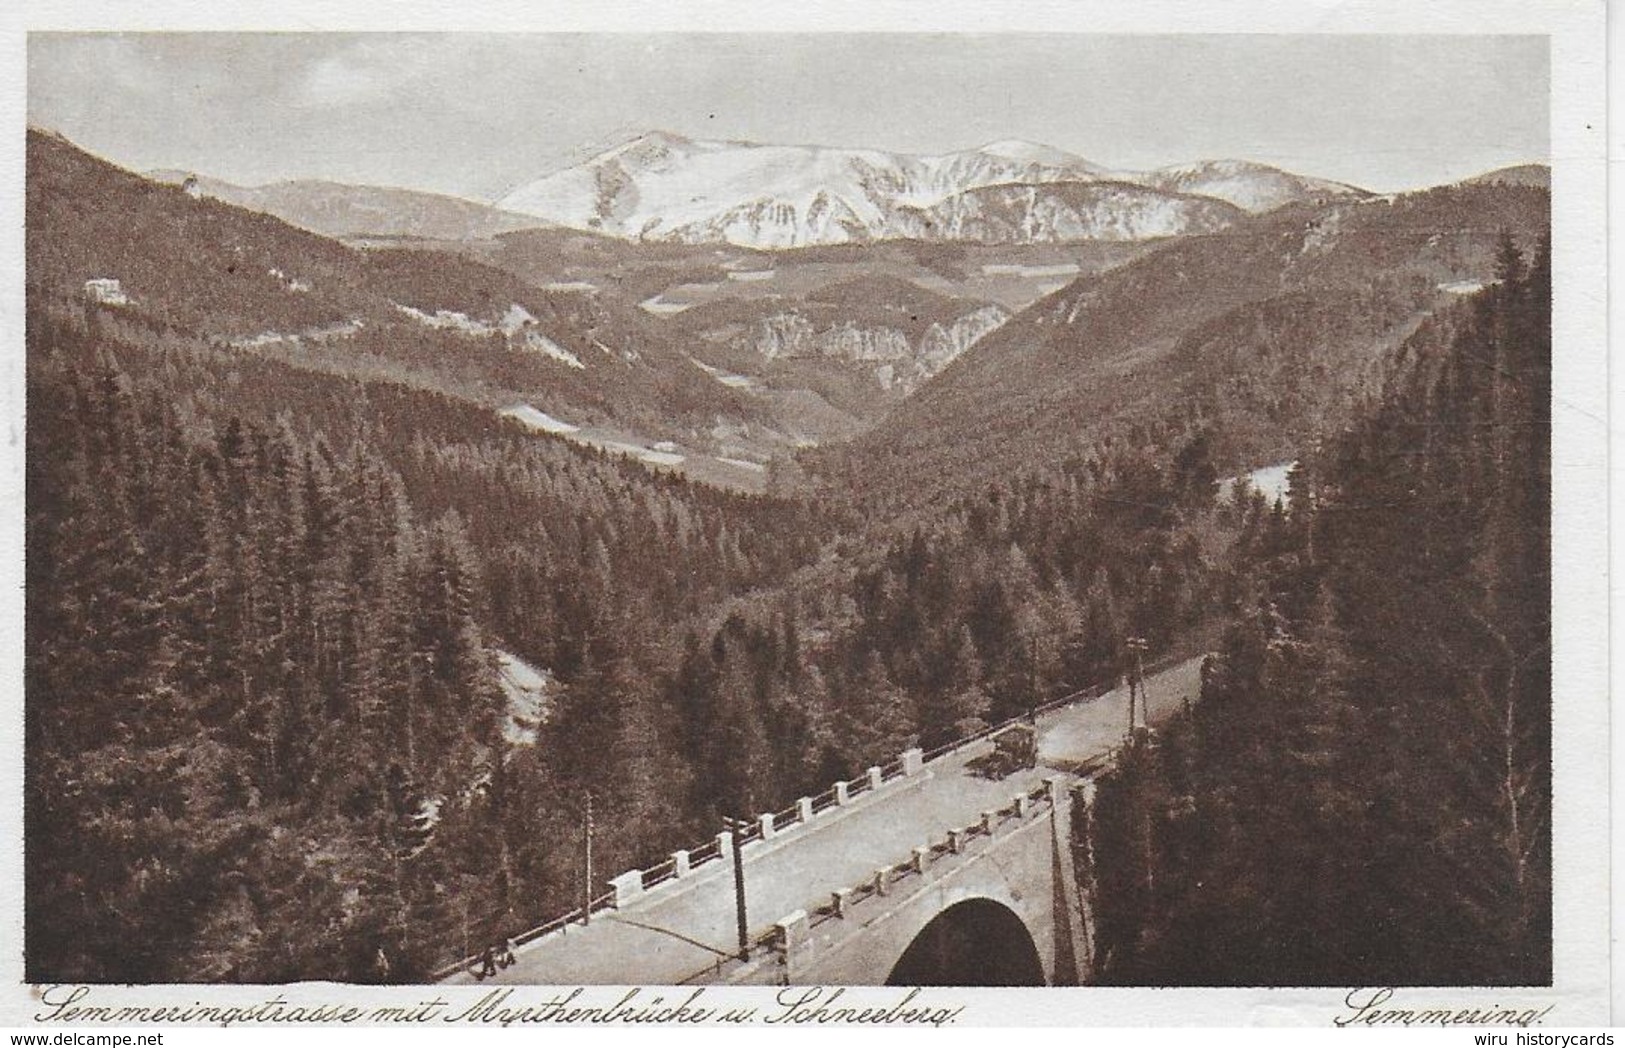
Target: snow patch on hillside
column 516, row 319
column 292, row 285
column 663, row 453
column 1000, row 269
column 649, row 455
column 448, row 319
column 325, row 333
column 1320, row 235
column 538, row 341
column 1269, row 481
column 539, row 420
column 528, row 691
column 728, row 379
column 660, row 307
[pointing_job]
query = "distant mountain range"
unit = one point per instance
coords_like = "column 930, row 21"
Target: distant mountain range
column 339, row 209
column 1518, row 175
column 1264, row 326
column 663, row 187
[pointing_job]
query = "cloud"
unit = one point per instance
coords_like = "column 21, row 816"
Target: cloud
column 465, row 73
column 60, row 63
column 369, row 71
column 338, row 81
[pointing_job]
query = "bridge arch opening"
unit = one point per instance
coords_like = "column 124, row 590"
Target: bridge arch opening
column 978, row 942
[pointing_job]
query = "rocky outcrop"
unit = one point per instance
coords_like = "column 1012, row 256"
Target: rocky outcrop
column 793, row 335
column 1066, row 212
column 900, row 364
column 943, row 344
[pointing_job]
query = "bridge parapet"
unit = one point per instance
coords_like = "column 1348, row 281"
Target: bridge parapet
column 921, row 857
column 627, row 886
column 633, row 886
column 768, row 826
column 791, row 937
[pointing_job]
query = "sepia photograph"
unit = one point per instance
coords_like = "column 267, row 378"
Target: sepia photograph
column 827, row 509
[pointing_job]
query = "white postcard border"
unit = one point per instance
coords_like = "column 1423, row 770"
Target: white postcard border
column 1583, row 813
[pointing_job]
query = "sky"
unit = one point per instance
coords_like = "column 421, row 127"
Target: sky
column 477, row 115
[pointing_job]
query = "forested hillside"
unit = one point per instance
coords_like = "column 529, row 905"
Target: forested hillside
column 922, row 635
column 252, row 585
column 1363, row 794
column 255, row 584
column 1267, row 333
column 204, row 269
column 281, row 536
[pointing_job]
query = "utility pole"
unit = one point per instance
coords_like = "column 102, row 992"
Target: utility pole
column 586, row 905
column 1136, row 684
column 736, row 827
column 1032, row 680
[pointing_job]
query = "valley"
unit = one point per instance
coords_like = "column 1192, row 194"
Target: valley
column 378, row 536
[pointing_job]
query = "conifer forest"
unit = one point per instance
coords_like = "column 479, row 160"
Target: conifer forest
column 303, row 506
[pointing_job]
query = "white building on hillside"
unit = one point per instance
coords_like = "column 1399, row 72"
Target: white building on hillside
column 106, row 291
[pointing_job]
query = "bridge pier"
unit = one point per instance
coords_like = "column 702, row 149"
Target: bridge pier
column 1084, row 821
column 1071, row 964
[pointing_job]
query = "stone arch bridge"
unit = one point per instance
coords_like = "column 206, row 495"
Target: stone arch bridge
column 920, row 873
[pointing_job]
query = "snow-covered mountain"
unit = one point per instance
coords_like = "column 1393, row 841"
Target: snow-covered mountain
column 1250, row 186
column 661, row 186
column 664, row 187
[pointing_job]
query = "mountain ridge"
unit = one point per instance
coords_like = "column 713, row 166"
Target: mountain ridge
column 1264, row 333
column 346, row 210
column 664, row 187
column 231, row 276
